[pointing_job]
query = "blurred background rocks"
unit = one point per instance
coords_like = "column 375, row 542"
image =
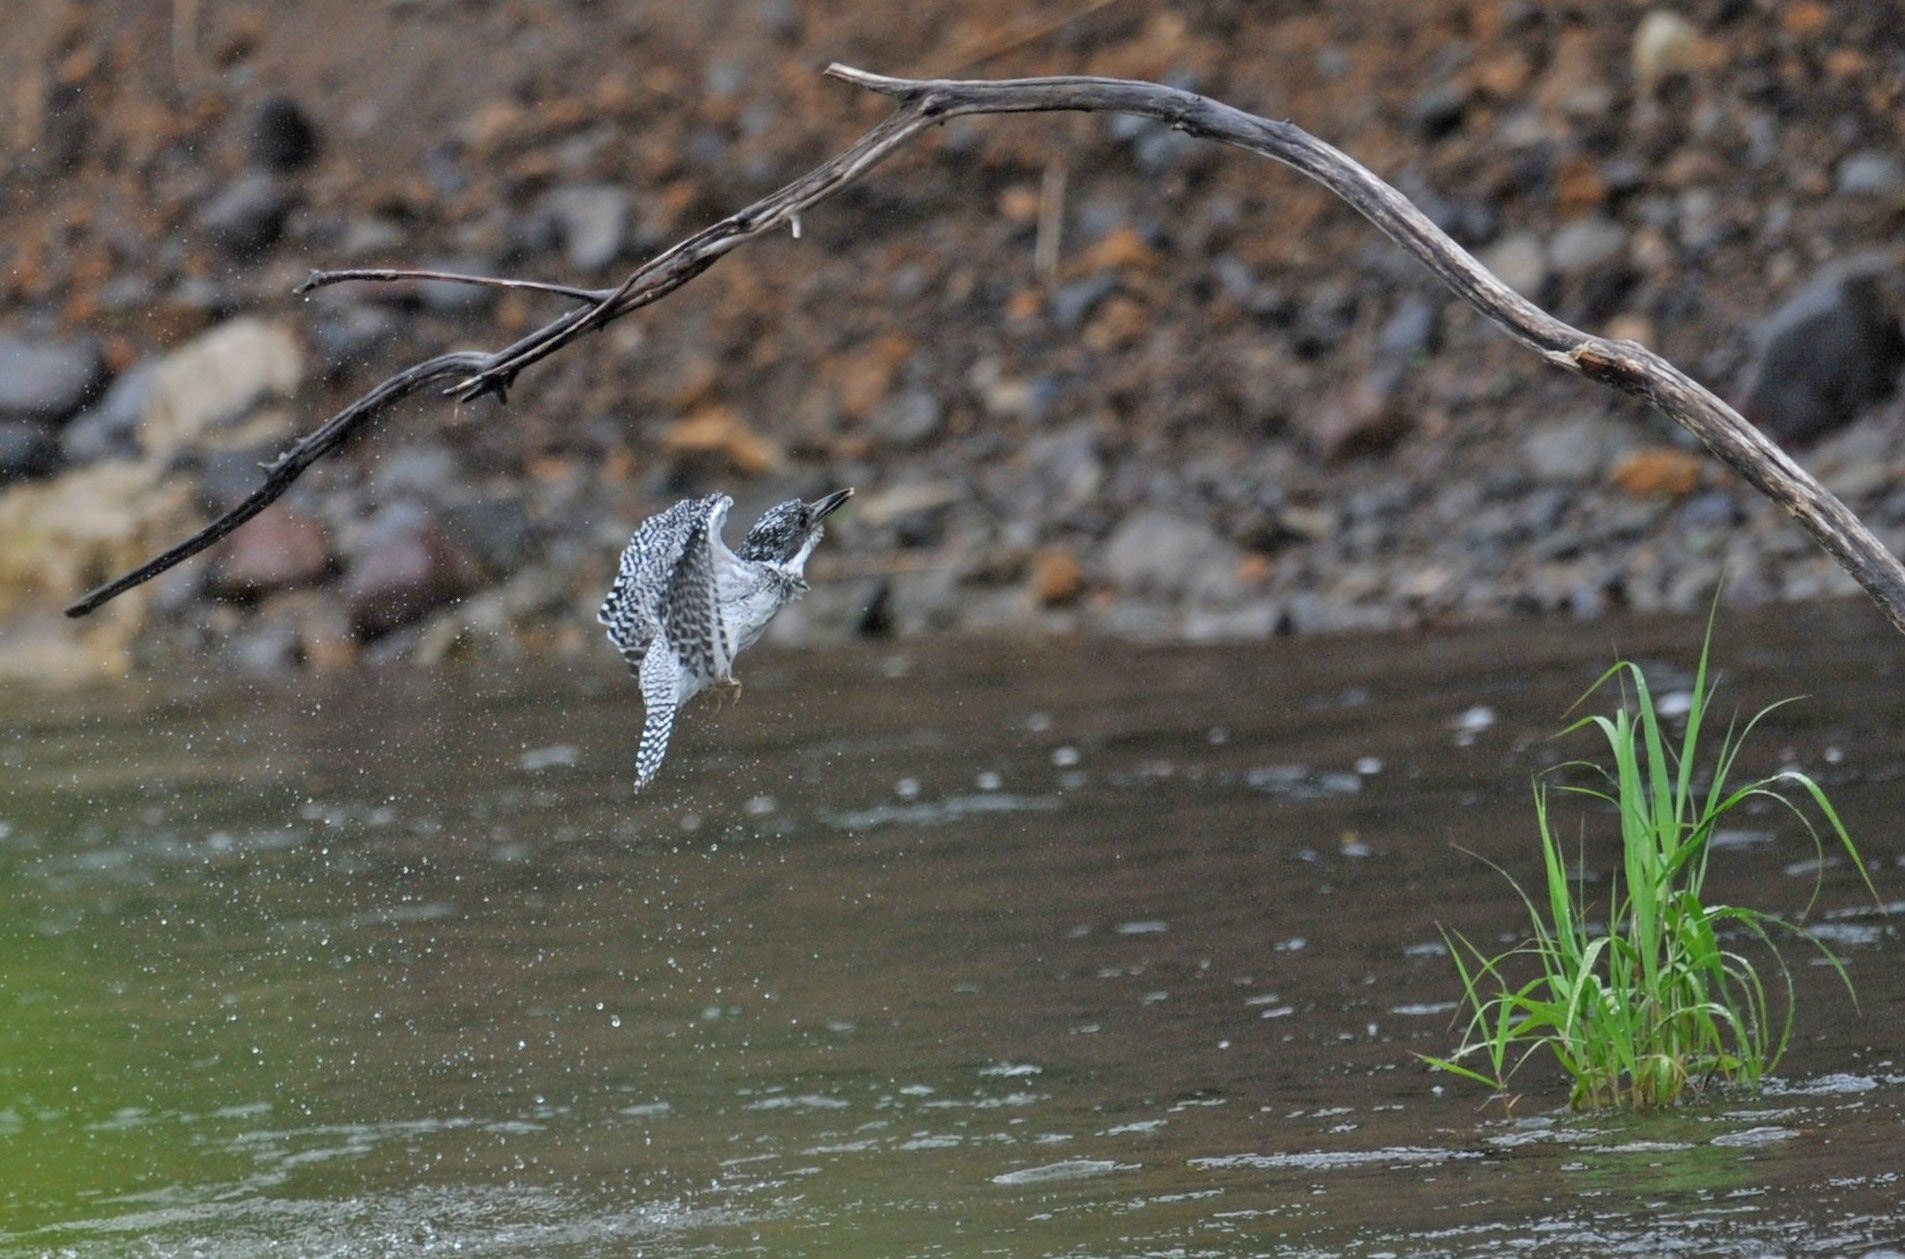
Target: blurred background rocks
column 1089, row 377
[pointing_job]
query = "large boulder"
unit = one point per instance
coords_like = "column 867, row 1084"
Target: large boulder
column 278, row 550
column 206, row 385
column 59, row 537
column 405, row 565
column 47, row 379
column 1830, row 352
column 1158, row 553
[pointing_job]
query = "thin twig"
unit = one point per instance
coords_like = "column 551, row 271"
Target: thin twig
column 923, row 104
column 387, row 275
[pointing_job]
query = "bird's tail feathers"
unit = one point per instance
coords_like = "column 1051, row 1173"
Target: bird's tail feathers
column 648, row 758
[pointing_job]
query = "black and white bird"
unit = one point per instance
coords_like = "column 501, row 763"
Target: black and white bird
column 684, row 605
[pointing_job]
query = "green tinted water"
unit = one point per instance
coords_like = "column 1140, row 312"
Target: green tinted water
column 919, row 950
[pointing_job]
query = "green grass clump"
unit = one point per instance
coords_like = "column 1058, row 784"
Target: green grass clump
column 1656, row 1002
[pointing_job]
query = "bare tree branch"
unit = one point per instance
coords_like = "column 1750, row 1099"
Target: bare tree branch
column 387, row 275
column 1626, row 365
column 289, row 466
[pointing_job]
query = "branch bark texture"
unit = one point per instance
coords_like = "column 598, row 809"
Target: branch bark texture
column 922, row 104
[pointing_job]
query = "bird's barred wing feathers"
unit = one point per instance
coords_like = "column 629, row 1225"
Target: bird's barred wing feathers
column 632, row 611
column 690, row 611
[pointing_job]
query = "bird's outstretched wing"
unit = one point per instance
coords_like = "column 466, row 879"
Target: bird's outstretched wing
column 644, row 584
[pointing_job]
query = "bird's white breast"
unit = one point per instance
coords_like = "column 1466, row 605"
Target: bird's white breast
column 749, row 594
column 748, row 604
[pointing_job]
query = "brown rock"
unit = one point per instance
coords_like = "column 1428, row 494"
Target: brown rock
column 717, row 434
column 1019, row 203
column 411, row 566
column 1057, row 577
column 1363, row 420
column 1505, row 75
column 1120, row 322
column 1658, row 471
column 1579, row 187
column 1805, row 19
column 277, row 551
column 1122, row 247
column 865, row 377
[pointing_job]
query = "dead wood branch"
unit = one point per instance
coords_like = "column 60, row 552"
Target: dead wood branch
column 1626, row 365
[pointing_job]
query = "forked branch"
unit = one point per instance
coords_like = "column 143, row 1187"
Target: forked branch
column 1626, row 365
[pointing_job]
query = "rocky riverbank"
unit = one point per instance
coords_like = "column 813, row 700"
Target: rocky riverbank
column 1088, row 376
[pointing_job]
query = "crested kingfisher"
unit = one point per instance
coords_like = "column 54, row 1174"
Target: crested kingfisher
column 683, row 605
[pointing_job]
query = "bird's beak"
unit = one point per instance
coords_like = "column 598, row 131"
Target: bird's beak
column 825, row 507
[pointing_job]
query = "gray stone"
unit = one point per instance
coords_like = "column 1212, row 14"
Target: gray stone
column 922, row 602
column 1136, row 620
column 833, row 611
column 368, row 238
column 1241, row 282
column 1472, row 223
column 1872, row 173
column 417, row 470
column 110, row 427
column 1065, row 468
column 1572, row 451
column 1327, row 316
column 349, row 337
column 1312, row 613
column 1011, row 397
column 1830, row 351
column 1248, row 622
column 247, row 217
column 1411, row 329
column 779, row 18
column 26, row 450
column 909, row 419
column 1587, row 245
column 1519, row 261
column 1860, row 480
column 1712, row 511
column 43, row 379
column 590, row 221
column 127, row 294
column 1438, row 112
column 496, row 529
column 267, row 647
column 1163, row 149
column 227, row 474
column 1158, row 553
column 282, row 137
column 996, row 612
column 1073, row 303
column 447, row 297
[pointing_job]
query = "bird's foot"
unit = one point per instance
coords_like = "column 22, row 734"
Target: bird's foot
column 729, row 690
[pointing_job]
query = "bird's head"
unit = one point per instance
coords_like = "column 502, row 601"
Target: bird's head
column 788, row 532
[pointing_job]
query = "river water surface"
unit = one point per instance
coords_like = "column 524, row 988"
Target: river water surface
column 918, row 949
